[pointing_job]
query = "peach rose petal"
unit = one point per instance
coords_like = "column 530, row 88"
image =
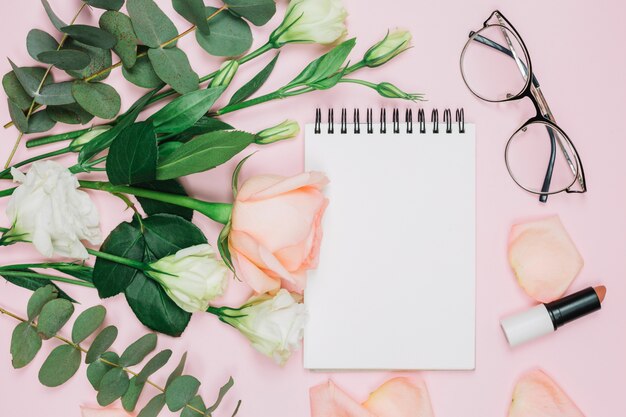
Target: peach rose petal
column 543, row 258
column 536, row 394
column 103, row 412
column 400, row 397
column 327, row 400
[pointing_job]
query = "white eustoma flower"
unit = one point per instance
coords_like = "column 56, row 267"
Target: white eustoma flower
column 391, row 46
column 274, row 325
column 48, row 210
column 311, row 21
column 192, row 277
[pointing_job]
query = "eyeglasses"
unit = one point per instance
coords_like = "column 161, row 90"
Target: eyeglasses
column 539, row 156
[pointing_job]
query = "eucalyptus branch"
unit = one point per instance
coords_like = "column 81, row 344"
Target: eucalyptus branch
column 31, row 109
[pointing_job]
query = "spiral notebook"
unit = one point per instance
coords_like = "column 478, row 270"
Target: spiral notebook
column 395, row 286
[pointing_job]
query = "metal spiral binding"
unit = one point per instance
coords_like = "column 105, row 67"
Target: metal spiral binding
column 396, row 122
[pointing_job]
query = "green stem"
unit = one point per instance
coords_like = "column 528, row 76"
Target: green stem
column 6, row 173
column 120, row 260
column 45, row 277
column 219, row 212
column 360, row 82
column 56, row 138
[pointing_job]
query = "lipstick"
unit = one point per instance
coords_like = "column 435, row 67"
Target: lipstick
column 547, row 318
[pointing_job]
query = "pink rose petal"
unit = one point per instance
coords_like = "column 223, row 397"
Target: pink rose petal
column 544, row 258
column 536, row 395
column 103, row 412
column 327, row 400
column 400, row 397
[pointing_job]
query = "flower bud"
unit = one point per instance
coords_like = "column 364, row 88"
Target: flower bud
column 78, row 143
column 192, row 277
column 286, row 130
column 391, row 91
column 225, row 74
column 311, row 21
column 391, row 46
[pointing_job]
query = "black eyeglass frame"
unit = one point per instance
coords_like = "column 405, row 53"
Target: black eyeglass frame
column 543, row 114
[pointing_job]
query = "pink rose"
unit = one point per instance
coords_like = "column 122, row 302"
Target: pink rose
column 276, row 230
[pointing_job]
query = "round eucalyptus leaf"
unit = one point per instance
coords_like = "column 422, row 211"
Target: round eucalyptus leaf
column 142, row 74
column 65, row 59
column 70, row 114
column 39, row 298
column 181, row 391
column 90, row 35
column 195, row 12
column 18, row 117
column 15, row 92
column 97, row 369
column 99, row 99
column 230, row 35
column 30, row 78
column 106, row 4
column 196, row 403
column 88, row 322
column 40, row 122
column 60, row 366
column 178, row 371
column 258, row 12
column 101, row 343
column 121, row 27
column 58, row 23
column 53, row 317
column 38, row 41
column 25, row 343
column 172, row 66
column 151, row 25
column 56, row 94
column 100, row 59
column 154, row 407
column 154, row 364
column 130, row 397
column 136, row 352
column 112, row 386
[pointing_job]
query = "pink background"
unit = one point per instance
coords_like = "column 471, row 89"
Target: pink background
column 577, row 54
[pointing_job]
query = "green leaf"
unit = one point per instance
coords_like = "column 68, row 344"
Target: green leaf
column 151, row 25
column 181, row 391
column 40, row 298
column 258, row 12
column 154, row 407
column 166, row 234
column 70, row 114
column 97, row 369
column 105, row 139
column 18, row 117
column 65, row 59
column 151, row 207
column 58, row 23
column 222, row 246
column 178, row 371
column 194, row 11
column 111, row 278
column 34, row 284
column 154, row 364
column 112, row 386
column 15, row 91
column 121, row 27
column 196, row 403
column 324, row 66
column 106, row 4
column 133, row 155
column 82, row 272
column 167, row 148
column 25, row 343
column 40, row 122
column 131, row 396
column 142, row 74
column 254, row 84
column 183, row 112
column 230, row 35
column 137, row 351
column 101, row 343
column 99, row 99
column 206, row 124
column 172, row 66
column 203, row 153
column 154, row 308
column 38, row 41
column 223, row 391
column 56, row 94
column 30, row 78
column 53, row 317
column 60, row 366
column 87, row 322
column 90, row 35
column 101, row 59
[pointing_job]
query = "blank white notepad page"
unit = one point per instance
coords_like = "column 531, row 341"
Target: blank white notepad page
column 395, row 286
